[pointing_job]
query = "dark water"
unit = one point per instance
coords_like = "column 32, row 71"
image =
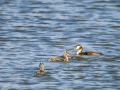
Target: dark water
column 32, row 31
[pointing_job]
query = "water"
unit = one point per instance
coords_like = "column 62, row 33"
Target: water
column 32, row 31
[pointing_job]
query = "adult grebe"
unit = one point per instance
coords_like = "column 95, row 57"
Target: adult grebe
column 85, row 53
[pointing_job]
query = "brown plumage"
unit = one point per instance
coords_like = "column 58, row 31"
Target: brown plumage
column 41, row 70
column 65, row 58
column 85, row 53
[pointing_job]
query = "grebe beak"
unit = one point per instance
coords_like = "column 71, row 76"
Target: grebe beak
column 73, row 49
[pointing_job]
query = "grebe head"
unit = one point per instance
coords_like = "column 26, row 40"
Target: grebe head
column 77, row 47
column 41, row 64
column 66, row 54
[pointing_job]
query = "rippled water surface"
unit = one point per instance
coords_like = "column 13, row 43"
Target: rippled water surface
column 32, row 31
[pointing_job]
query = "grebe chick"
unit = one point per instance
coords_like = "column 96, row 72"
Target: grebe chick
column 85, row 53
column 41, row 70
column 68, row 54
column 65, row 58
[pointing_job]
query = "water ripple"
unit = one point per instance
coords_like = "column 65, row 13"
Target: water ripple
column 34, row 31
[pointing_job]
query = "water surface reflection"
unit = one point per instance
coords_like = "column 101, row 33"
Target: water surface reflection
column 34, row 31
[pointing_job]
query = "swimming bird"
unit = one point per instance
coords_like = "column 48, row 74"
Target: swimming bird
column 68, row 54
column 85, row 53
column 65, row 58
column 41, row 70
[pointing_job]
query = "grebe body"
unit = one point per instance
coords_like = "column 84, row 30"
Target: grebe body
column 85, row 53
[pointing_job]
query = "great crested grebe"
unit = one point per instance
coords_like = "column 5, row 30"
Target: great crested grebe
column 68, row 54
column 65, row 58
column 85, row 53
column 41, row 70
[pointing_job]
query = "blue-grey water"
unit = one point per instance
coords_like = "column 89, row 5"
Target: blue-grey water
column 32, row 31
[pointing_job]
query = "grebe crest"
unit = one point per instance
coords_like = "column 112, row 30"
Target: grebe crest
column 84, row 53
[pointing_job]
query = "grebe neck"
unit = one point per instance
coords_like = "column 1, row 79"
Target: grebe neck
column 79, row 51
column 42, row 67
column 66, row 58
